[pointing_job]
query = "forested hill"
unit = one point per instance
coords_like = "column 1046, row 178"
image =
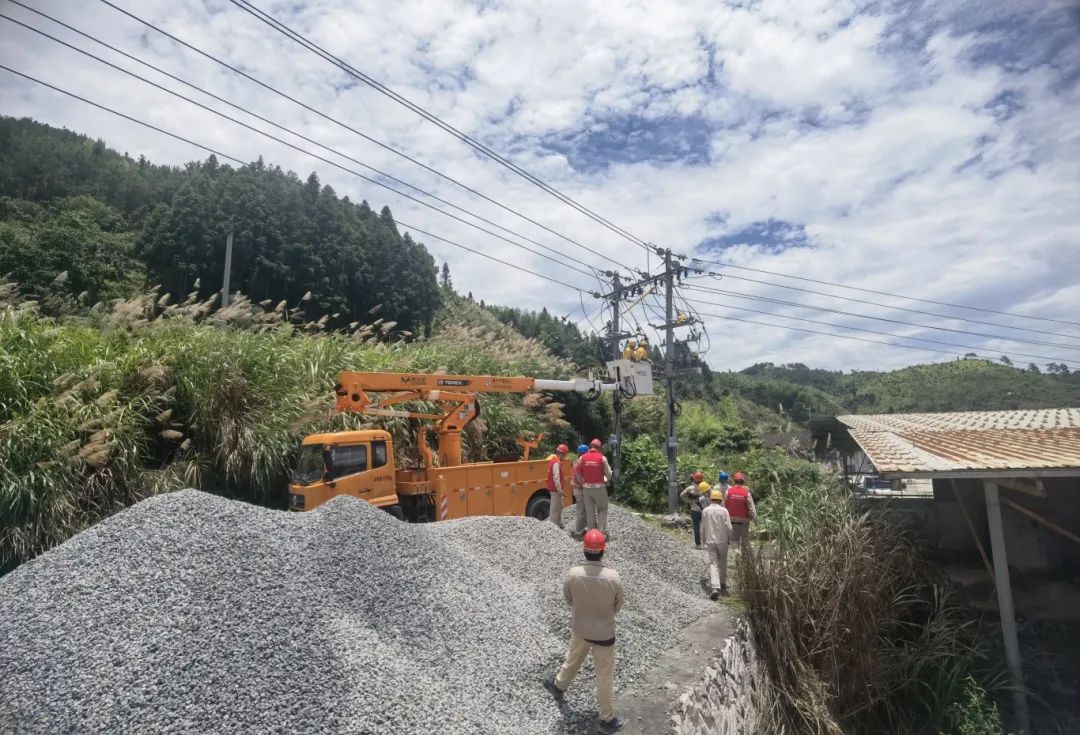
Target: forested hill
column 963, row 385
column 69, row 203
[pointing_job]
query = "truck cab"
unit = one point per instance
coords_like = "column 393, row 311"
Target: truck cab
column 356, row 463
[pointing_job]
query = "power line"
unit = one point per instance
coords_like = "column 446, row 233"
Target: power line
column 341, row 124
column 309, row 153
column 884, row 293
column 890, row 306
column 741, row 295
column 969, row 348
column 255, row 115
column 234, row 159
column 827, row 334
column 492, row 257
column 430, row 117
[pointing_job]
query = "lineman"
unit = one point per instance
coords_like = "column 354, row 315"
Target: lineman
column 695, row 497
column 641, row 354
column 722, row 481
column 595, row 475
column 628, row 351
column 740, row 505
column 595, row 595
column 576, row 481
column 555, row 483
column 716, row 528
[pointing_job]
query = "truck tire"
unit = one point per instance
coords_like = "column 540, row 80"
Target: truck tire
column 395, row 510
column 539, row 506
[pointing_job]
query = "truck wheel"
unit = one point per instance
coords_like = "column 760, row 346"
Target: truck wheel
column 395, row 510
column 539, row 507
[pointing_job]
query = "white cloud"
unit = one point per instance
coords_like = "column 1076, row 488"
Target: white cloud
column 913, row 168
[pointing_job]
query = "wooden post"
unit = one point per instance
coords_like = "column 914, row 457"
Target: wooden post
column 974, row 534
column 228, row 271
column 1005, row 605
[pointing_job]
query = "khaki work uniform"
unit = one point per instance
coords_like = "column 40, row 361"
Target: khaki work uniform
column 555, row 513
column 595, row 594
column 716, row 533
column 596, row 501
column 579, row 499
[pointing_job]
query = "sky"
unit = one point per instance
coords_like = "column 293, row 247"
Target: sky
column 925, row 149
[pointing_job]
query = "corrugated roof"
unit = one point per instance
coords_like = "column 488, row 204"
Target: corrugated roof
column 971, row 441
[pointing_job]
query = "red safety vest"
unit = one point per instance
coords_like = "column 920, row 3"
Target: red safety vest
column 592, row 468
column 737, row 502
column 552, row 461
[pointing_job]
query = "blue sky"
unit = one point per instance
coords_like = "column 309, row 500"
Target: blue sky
column 924, row 148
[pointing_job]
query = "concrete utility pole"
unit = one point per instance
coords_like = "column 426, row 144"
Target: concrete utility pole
column 615, row 336
column 228, row 270
column 669, row 376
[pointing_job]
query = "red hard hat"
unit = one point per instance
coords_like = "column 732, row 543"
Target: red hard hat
column 562, row 448
column 698, row 477
column 595, row 541
column 738, row 477
column 596, row 443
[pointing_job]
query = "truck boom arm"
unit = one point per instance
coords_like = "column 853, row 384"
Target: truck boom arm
column 455, row 393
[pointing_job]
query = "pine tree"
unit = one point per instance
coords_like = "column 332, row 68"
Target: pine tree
column 444, row 276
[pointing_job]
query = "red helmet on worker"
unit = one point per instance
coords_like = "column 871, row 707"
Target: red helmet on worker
column 595, row 542
column 697, row 476
column 738, row 477
column 596, row 443
column 562, row 449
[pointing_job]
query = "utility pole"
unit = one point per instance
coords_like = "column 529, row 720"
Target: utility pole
column 228, row 270
column 615, row 336
column 669, row 376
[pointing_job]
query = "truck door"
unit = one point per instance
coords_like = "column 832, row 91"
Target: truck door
column 349, row 471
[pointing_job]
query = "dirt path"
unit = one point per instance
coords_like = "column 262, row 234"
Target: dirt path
column 644, row 706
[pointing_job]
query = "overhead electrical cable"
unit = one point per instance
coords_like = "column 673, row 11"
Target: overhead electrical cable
column 884, row 293
column 341, row 124
column 934, row 314
column 739, row 294
column 234, row 159
column 369, row 179
column 968, row 348
column 430, row 117
column 552, row 251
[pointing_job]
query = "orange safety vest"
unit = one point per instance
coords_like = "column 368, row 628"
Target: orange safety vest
column 737, row 502
column 592, row 468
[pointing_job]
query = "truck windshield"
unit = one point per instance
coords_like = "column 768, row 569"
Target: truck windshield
column 309, row 467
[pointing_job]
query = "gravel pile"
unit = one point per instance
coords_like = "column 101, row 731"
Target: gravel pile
column 189, row 613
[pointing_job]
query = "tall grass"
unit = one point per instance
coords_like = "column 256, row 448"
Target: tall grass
column 140, row 396
column 858, row 634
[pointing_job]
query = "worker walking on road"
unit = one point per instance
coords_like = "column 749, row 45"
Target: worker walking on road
column 717, row 531
column 695, row 497
column 555, row 483
column 594, row 593
column 595, row 475
column 576, row 482
column 740, row 505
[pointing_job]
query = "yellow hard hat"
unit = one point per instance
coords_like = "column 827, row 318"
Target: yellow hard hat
column 704, row 487
column 633, row 343
column 717, row 494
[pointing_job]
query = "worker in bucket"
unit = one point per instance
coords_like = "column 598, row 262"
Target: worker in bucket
column 576, row 482
column 555, row 483
column 740, row 505
column 595, row 475
column 594, row 593
column 696, row 498
column 716, row 531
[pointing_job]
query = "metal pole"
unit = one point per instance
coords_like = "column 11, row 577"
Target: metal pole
column 616, row 297
column 669, row 375
column 1005, row 605
column 228, row 270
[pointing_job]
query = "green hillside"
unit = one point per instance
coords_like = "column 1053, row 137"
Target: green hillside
column 963, row 385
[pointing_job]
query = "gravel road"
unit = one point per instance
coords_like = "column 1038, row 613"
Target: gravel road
column 190, row 613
